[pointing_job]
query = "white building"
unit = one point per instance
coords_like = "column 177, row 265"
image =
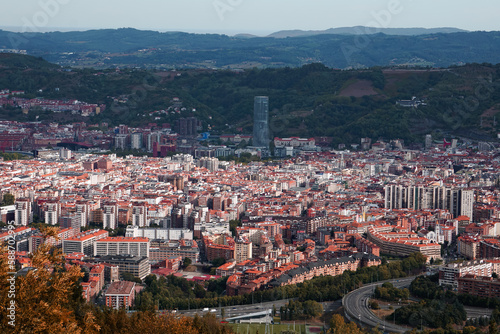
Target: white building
column 122, row 246
column 23, row 214
column 83, row 242
column 65, row 154
column 110, row 216
column 295, row 142
column 139, row 216
column 136, row 141
column 121, row 141
column 467, row 205
column 82, row 214
column 51, row 214
column 212, row 164
column 159, row 233
column 449, row 273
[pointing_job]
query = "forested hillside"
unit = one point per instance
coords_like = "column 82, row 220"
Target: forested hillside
column 312, row 100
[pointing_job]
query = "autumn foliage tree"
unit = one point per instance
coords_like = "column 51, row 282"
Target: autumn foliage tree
column 338, row 325
column 49, row 299
column 43, row 297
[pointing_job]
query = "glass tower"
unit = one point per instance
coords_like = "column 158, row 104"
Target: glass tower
column 261, row 122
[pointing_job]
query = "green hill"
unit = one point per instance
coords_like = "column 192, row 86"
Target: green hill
column 312, row 100
column 12, row 60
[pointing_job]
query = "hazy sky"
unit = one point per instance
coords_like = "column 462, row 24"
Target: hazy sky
column 252, row 16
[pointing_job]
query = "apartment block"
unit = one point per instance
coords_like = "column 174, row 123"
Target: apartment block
column 83, row 242
column 120, row 295
column 122, row 246
column 450, row 273
column 138, row 266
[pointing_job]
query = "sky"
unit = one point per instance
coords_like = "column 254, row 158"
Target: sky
column 259, row 17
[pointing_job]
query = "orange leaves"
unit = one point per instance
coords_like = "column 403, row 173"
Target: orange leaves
column 48, row 300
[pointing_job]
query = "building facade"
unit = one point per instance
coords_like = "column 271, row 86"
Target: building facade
column 261, row 122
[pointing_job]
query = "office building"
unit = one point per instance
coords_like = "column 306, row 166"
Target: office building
column 261, row 122
column 187, row 126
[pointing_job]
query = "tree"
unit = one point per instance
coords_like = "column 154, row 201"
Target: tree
column 8, row 199
column 150, row 279
column 46, row 295
column 130, row 277
column 338, row 325
column 199, row 291
column 374, row 305
column 186, row 262
column 493, row 329
column 233, row 224
column 312, row 308
column 218, row 262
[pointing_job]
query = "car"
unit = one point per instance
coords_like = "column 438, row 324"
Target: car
column 205, row 309
column 213, row 310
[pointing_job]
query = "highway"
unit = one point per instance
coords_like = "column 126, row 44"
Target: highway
column 356, row 306
column 477, row 312
column 237, row 310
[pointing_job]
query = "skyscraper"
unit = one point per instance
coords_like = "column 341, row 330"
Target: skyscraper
column 261, row 122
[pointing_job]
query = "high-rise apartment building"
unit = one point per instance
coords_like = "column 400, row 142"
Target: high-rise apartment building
column 187, row 126
column 136, row 141
column 82, row 213
column 51, row 214
column 110, row 216
column 459, row 202
column 139, row 216
column 23, row 212
column 121, row 141
column 261, row 121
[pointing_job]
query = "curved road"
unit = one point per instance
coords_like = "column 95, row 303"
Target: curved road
column 356, row 306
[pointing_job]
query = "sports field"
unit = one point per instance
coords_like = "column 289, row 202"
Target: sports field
column 273, row 329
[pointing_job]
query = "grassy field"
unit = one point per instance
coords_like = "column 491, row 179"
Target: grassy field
column 261, row 328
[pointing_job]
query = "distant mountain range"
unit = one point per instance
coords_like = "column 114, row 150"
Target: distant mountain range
column 337, row 48
column 362, row 30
